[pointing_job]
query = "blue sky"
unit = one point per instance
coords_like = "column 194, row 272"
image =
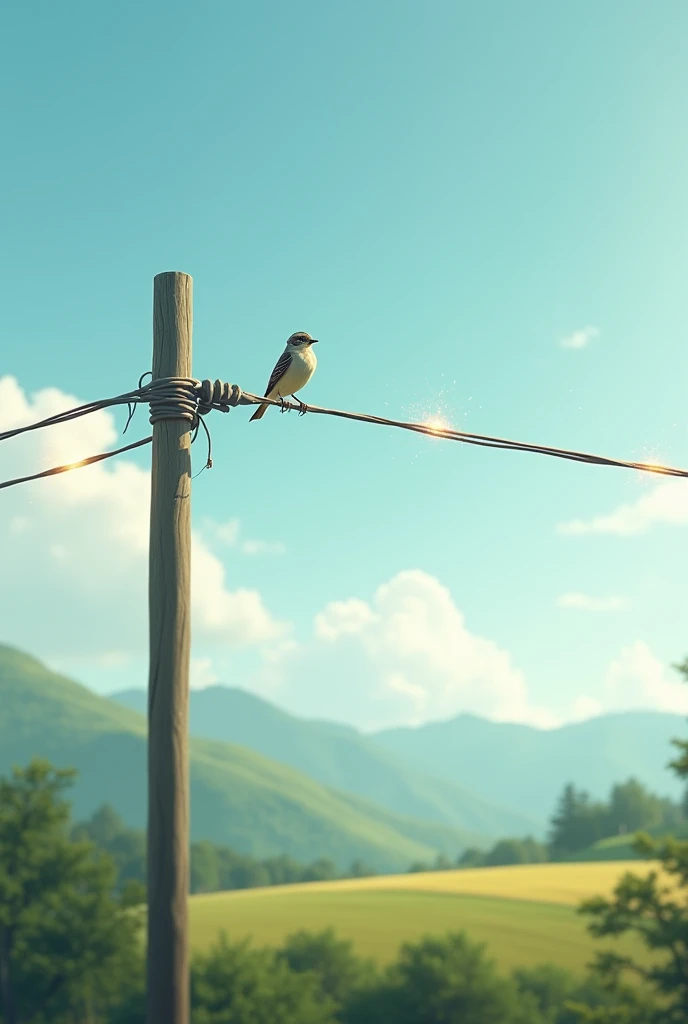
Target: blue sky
column 441, row 193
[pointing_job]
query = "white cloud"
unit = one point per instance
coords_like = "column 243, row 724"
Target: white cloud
column 202, row 673
column 262, row 547
column 403, row 658
column 74, row 548
column 580, row 338
column 585, row 602
column 637, row 680
column 229, row 533
column 665, row 503
column 237, row 617
column 341, row 617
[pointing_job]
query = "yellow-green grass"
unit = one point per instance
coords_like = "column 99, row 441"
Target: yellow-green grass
column 525, row 914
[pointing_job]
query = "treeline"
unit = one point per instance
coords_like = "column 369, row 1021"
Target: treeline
column 213, row 868
column 578, row 822
column 70, row 949
column 317, row 978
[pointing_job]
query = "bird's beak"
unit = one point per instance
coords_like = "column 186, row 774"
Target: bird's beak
column 314, row 341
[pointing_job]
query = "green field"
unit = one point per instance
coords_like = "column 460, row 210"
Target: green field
column 525, row 914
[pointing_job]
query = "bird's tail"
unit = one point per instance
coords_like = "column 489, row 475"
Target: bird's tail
column 260, row 412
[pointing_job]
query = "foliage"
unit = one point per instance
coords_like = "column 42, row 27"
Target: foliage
column 631, row 1009
column 234, row 984
column 579, row 821
column 446, row 980
column 654, row 907
column 213, row 868
column 340, row 972
column 516, row 851
column 504, row 852
column 576, row 823
column 564, row 998
column 316, row 978
column 472, row 857
column 125, row 846
column 67, row 948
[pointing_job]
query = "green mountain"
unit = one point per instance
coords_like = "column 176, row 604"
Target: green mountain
column 238, row 797
column 527, row 768
column 339, row 757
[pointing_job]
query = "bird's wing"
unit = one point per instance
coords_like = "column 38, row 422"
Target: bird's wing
column 281, row 367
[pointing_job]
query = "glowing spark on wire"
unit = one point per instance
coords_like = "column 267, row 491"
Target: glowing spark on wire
column 437, row 423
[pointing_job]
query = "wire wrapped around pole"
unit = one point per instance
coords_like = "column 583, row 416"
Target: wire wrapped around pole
column 173, row 398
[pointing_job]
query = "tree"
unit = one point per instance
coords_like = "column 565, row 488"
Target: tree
column 645, row 905
column 506, row 851
column 359, row 869
column 66, row 945
column 548, row 985
column 126, row 846
column 576, row 823
column 204, row 868
column 516, row 851
column 234, row 984
column 472, row 857
column 632, row 807
column 321, row 870
column 449, row 980
column 331, row 960
column 442, row 863
column 629, row 1006
column 563, row 998
column 653, row 907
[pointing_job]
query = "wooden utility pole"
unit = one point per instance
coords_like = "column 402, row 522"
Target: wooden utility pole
column 168, row 684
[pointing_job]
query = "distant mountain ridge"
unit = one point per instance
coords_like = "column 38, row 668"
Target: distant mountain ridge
column 527, row 767
column 467, row 769
column 238, row 797
column 341, row 758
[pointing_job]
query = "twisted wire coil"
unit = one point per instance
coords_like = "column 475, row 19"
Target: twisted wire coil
column 184, row 398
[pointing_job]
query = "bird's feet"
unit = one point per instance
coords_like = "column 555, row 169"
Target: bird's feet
column 283, row 406
column 303, row 408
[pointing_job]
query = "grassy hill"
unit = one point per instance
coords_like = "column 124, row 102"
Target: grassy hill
column 341, row 758
column 616, row 848
column 525, row 914
column 238, row 797
column 527, row 768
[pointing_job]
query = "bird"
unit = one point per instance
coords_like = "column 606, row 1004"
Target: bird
column 292, row 371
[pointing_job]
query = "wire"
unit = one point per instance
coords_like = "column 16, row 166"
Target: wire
column 130, row 398
column 75, row 465
column 173, row 398
column 481, row 440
